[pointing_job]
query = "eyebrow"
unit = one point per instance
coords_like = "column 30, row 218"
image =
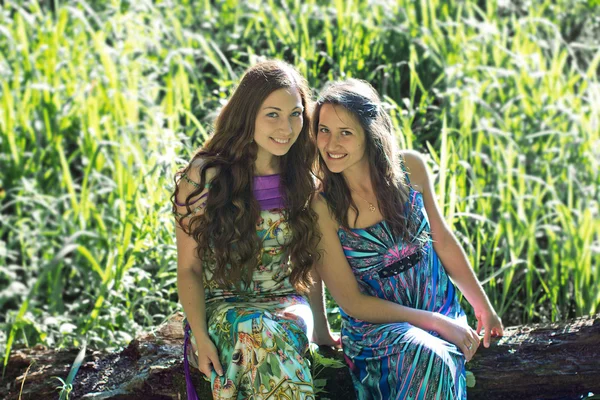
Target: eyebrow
column 279, row 109
column 341, row 128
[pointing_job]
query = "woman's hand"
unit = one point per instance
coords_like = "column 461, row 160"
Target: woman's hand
column 207, row 355
column 329, row 338
column 491, row 324
column 464, row 337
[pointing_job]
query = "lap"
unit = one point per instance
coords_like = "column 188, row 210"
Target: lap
column 378, row 340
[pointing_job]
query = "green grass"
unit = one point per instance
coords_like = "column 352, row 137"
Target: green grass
column 100, row 101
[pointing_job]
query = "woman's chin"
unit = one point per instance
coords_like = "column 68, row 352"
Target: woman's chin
column 335, row 169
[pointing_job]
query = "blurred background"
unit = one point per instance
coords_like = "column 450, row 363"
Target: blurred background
column 101, row 101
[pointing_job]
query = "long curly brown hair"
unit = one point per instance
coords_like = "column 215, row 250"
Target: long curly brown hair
column 390, row 183
column 226, row 231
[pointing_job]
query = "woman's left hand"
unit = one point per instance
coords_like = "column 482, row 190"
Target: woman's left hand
column 491, row 324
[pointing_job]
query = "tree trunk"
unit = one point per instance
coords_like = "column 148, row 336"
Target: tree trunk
column 548, row 361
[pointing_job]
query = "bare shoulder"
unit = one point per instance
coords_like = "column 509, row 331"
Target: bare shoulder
column 195, row 168
column 319, row 205
column 190, row 196
column 417, row 169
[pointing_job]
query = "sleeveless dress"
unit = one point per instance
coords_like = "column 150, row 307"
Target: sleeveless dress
column 399, row 360
column 261, row 330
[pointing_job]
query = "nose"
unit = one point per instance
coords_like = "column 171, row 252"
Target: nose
column 332, row 141
column 287, row 127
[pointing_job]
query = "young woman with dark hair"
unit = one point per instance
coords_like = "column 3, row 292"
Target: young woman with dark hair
column 387, row 256
column 246, row 241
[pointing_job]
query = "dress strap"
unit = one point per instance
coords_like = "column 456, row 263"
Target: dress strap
column 193, row 183
column 406, row 173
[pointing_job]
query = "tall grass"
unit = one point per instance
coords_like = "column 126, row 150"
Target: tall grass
column 100, row 101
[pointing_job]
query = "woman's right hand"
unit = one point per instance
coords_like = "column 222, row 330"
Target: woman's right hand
column 464, row 337
column 207, row 355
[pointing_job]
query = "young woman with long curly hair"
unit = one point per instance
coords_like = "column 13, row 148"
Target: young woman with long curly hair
column 246, row 241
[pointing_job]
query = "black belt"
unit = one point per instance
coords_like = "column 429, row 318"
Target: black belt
column 401, row 265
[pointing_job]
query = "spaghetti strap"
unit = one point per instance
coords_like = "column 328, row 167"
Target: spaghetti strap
column 406, row 173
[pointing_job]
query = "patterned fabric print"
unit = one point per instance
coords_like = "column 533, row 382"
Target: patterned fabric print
column 261, row 329
column 401, row 361
column 271, row 278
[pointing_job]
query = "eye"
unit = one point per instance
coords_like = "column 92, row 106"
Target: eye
column 273, row 115
column 346, row 133
column 296, row 114
column 323, row 130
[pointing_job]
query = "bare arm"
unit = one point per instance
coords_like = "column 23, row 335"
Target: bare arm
column 190, row 285
column 322, row 333
column 337, row 275
column 450, row 252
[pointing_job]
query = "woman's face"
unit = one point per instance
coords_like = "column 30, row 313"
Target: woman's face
column 340, row 139
column 278, row 122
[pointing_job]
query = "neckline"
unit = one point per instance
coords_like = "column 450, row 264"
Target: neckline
column 382, row 222
column 266, row 176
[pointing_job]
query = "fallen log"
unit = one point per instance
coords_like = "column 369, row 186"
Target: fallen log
column 539, row 361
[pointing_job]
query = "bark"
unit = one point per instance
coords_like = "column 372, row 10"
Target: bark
column 541, row 361
column 547, row 361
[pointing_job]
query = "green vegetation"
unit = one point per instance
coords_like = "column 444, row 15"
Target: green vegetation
column 100, row 101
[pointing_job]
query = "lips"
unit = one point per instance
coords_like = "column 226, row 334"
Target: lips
column 280, row 141
column 336, row 156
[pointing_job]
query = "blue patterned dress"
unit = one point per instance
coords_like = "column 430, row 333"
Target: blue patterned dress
column 399, row 360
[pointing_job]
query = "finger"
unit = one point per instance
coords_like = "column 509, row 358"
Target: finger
column 479, row 325
column 476, row 338
column 486, row 338
column 500, row 330
column 466, row 352
column 216, row 364
column 469, row 346
column 205, row 366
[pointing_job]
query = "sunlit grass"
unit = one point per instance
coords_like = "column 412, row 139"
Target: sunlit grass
column 100, row 101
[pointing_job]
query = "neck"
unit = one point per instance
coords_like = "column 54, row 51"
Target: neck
column 358, row 178
column 266, row 164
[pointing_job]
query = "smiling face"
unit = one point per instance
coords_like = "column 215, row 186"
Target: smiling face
column 341, row 139
column 278, row 123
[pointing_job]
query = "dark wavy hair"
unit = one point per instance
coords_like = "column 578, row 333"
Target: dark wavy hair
column 226, row 231
column 389, row 181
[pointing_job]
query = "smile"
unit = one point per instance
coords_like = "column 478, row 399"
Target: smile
column 280, row 141
column 337, row 156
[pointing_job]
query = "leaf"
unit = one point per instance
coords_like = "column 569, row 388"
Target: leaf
column 320, row 383
column 74, row 369
column 470, row 379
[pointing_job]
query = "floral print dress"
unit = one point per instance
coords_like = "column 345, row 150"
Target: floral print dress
column 261, row 329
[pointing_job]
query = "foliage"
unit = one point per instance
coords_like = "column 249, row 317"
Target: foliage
column 100, row 101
